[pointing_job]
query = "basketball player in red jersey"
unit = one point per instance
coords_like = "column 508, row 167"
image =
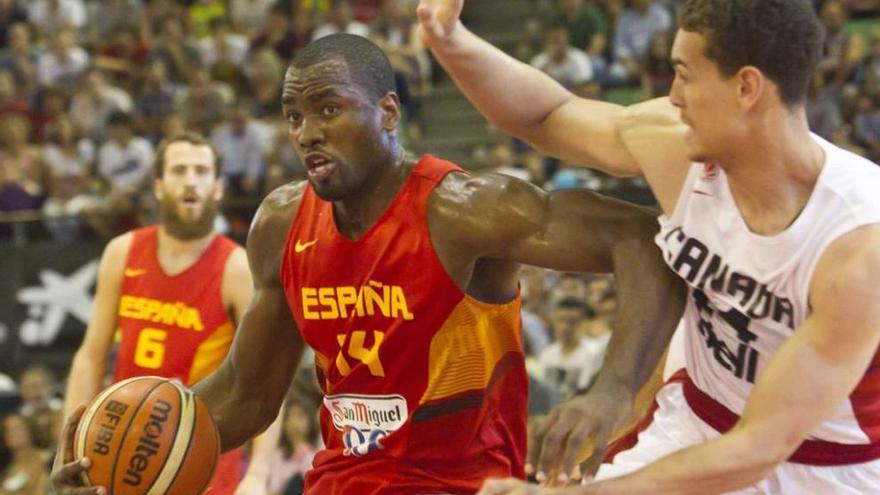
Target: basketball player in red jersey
column 402, row 275
column 175, row 292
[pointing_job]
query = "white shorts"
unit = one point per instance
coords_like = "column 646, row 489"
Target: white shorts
column 676, row 427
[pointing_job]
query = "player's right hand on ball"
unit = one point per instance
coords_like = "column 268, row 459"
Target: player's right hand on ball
column 438, row 18
column 66, row 471
column 576, row 430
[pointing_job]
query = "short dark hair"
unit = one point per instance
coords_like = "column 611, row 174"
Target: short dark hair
column 190, row 137
column 119, row 118
column 367, row 63
column 782, row 38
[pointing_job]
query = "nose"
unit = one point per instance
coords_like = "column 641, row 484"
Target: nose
column 675, row 93
column 310, row 133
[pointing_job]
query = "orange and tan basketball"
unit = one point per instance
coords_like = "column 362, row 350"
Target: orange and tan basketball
column 148, row 436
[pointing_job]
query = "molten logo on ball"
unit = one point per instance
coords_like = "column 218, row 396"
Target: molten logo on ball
column 147, row 445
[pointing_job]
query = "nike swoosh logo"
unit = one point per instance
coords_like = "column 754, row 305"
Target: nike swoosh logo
column 300, row 246
column 134, row 272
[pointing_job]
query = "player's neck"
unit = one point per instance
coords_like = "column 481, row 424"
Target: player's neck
column 176, row 255
column 356, row 214
column 772, row 179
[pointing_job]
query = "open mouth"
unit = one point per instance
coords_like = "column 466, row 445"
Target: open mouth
column 319, row 166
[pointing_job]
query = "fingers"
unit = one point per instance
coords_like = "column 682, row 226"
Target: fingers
column 68, row 433
column 536, row 439
column 554, row 439
column 67, row 479
column 579, row 444
column 428, row 23
column 595, row 460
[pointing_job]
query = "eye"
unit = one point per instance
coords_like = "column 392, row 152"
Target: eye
column 294, row 117
column 330, row 110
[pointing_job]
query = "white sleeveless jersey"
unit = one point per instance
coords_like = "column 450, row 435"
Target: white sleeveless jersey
column 749, row 293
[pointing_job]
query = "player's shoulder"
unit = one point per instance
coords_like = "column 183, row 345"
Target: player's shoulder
column 481, row 192
column 118, row 247
column 279, row 207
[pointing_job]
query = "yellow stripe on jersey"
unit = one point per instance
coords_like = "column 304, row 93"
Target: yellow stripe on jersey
column 469, row 345
column 211, row 353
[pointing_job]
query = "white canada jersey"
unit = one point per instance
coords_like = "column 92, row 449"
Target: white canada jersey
column 748, row 293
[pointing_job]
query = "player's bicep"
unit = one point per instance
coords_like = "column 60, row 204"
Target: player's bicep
column 103, row 321
column 586, row 132
column 267, row 346
column 570, row 230
column 238, row 284
column 654, row 136
column 820, row 365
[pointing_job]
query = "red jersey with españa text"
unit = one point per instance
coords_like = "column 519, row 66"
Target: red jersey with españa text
column 425, row 387
column 176, row 326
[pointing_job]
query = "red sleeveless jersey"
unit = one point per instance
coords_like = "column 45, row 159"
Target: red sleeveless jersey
column 425, row 387
column 176, row 326
column 172, row 326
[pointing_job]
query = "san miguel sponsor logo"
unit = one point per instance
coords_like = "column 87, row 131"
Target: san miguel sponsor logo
column 367, row 412
column 148, row 444
column 365, row 420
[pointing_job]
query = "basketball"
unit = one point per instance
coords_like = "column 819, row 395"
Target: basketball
column 148, row 435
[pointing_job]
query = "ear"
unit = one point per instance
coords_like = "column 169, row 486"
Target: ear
column 158, row 189
column 219, row 189
column 390, row 107
column 751, row 86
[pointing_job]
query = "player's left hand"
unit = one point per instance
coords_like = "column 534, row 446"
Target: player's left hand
column 252, row 485
column 513, row 486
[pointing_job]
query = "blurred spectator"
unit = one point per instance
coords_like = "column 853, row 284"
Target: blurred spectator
column 658, row 73
column 239, row 142
column 223, row 46
column 50, row 15
column 397, row 34
column 51, row 103
column 300, row 442
column 569, row 364
column 123, row 57
column 583, row 19
column 39, row 404
column 870, row 67
column 107, row 16
column 20, row 58
column 63, row 61
column 280, row 35
column 10, row 101
column 203, row 102
column 535, row 332
column 249, row 16
column 837, row 40
column 265, row 73
column 823, row 111
column 339, row 19
column 10, row 13
column 570, row 286
column 155, row 101
column 35, row 386
column 93, row 102
column 569, row 66
column 204, row 12
column 22, row 172
column 176, row 51
column 866, row 125
column 125, row 162
column 155, row 13
column 69, row 160
column 633, row 32
column 27, row 473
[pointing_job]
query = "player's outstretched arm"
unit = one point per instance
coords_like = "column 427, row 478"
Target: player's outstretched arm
column 806, row 381
column 245, row 394
column 89, row 362
column 576, row 230
column 521, row 99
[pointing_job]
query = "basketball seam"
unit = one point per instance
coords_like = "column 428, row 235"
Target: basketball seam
column 182, row 395
column 125, row 432
column 89, row 416
column 189, row 446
